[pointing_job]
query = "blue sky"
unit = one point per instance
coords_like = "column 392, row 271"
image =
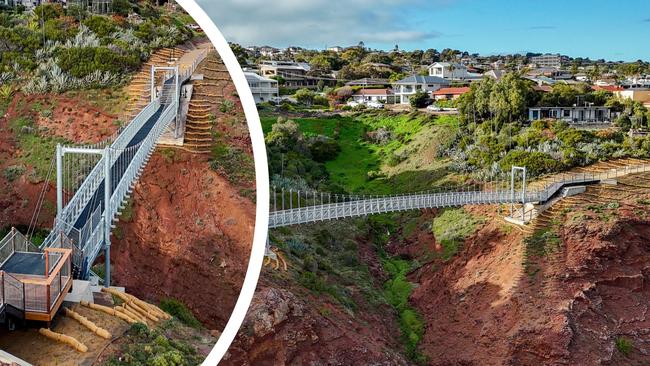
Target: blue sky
column 613, row 30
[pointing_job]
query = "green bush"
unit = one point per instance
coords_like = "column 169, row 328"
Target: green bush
column 12, row 172
column 101, row 25
column 623, row 345
column 48, row 12
column 80, row 62
column 419, row 99
column 147, row 347
column 536, row 163
column 226, row 106
column 324, row 149
column 180, row 311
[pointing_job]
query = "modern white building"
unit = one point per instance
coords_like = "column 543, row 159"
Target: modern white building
column 573, row 115
column 554, row 61
column 406, row 87
column 449, row 70
column 263, row 89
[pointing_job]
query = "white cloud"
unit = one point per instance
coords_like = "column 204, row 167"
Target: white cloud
column 319, row 23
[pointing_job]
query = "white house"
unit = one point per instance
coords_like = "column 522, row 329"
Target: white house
column 336, row 49
column 449, row 70
column 263, row 89
column 406, row 87
column 372, row 95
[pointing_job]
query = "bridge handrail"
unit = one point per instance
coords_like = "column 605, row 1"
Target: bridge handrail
column 140, row 158
column 134, row 126
column 87, row 189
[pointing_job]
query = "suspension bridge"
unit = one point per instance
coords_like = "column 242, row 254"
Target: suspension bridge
column 294, row 207
column 93, row 183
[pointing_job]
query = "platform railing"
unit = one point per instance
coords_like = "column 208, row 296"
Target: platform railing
column 13, row 291
column 13, row 242
column 41, row 293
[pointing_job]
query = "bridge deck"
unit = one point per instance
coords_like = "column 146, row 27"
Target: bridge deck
column 117, row 171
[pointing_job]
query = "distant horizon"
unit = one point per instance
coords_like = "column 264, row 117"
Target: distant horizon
column 594, row 29
column 522, row 53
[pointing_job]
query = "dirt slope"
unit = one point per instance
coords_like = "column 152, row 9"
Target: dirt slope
column 189, row 230
column 61, row 116
column 485, row 308
column 188, row 237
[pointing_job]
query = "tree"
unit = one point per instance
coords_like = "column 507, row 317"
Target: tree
column 320, row 65
column 240, row 53
column 419, row 99
column 305, row 96
column 122, row 7
column 45, row 12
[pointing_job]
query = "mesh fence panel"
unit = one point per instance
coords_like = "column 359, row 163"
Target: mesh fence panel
column 36, row 297
column 13, row 291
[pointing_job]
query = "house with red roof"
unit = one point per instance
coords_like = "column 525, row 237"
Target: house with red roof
column 609, row 88
column 449, row 93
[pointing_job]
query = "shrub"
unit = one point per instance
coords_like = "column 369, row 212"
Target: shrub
column 536, row 163
column 177, row 309
column 226, row 106
column 305, row 96
column 321, row 100
column 323, row 149
column 623, row 345
column 11, row 173
column 101, row 25
column 81, row 62
column 419, row 99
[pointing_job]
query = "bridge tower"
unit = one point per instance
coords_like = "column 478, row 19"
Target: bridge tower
column 513, row 173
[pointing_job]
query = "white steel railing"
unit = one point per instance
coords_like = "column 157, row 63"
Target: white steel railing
column 322, row 209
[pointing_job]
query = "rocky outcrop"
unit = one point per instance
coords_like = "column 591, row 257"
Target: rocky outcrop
column 283, row 328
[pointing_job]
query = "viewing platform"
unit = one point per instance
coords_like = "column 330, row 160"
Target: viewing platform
column 33, row 282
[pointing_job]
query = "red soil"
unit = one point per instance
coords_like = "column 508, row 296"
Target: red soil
column 482, row 309
column 69, row 119
column 189, row 238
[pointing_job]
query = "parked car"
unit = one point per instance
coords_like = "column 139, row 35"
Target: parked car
column 353, row 104
column 435, row 108
column 375, row 105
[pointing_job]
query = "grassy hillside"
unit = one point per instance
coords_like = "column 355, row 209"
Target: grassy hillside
column 378, row 151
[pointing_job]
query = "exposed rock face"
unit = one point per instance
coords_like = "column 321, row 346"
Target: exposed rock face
column 590, row 292
column 283, row 328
